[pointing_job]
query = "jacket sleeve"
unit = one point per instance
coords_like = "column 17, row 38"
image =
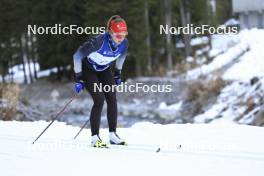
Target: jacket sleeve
column 120, row 61
column 83, row 51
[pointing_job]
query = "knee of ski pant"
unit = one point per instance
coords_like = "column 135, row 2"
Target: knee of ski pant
column 110, row 98
column 99, row 101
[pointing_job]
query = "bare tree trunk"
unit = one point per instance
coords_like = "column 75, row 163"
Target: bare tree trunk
column 3, row 78
column 34, row 54
column 10, row 62
column 188, row 36
column 11, row 68
column 138, row 67
column 167, row 7
column 185, row 19
column 209, row 21
column 149, row 66
column 59, row 73
column 5, row 68
column 28, row 58
column 23, row 60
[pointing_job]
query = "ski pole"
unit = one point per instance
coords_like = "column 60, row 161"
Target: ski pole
column 56, row 117
column 81, row 129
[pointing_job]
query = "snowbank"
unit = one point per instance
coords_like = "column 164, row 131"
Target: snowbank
column 18, row 75
column 252, row 63
column 219, row 62
column 242, row 100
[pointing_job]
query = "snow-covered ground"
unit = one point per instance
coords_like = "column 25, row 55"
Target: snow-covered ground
column 189, row 149
column 249, row 44
column 251, row 64
column 16, row 72
column 221, row 60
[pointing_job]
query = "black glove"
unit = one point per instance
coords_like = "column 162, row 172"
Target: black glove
column 117, row 76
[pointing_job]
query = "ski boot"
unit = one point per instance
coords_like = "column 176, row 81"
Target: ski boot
column 115, row 139
column 97, row 142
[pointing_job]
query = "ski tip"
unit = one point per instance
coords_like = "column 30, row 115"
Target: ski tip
column 158, row 150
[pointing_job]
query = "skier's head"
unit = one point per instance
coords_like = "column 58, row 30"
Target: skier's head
column 117, row 28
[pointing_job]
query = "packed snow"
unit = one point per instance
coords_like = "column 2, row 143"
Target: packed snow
column 153, row 149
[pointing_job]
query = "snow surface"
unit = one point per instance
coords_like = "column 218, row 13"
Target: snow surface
column 232, row 22
column 206, row 149
column 194, row 42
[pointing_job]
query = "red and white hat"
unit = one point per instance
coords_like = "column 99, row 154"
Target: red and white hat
column 118, row 25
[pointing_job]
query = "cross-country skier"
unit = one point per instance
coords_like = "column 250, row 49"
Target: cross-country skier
column 92, row 65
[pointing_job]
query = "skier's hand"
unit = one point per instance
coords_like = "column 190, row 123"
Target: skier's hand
column 79, row 83
column 117, row 76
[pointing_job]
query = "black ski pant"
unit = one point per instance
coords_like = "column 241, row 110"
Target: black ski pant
column 105, row 77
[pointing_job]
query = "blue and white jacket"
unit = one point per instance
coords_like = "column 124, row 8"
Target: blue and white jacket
column 100, row 54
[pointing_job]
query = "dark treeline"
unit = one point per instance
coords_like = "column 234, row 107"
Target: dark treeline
column 149, row 52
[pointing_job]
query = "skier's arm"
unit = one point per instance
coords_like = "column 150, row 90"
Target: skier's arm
column 119, row 64
column 120, row 61
column 83, row 51
column 79, row 55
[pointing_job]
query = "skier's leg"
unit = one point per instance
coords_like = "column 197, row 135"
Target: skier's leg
column 91, row 78
column 106, row 78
